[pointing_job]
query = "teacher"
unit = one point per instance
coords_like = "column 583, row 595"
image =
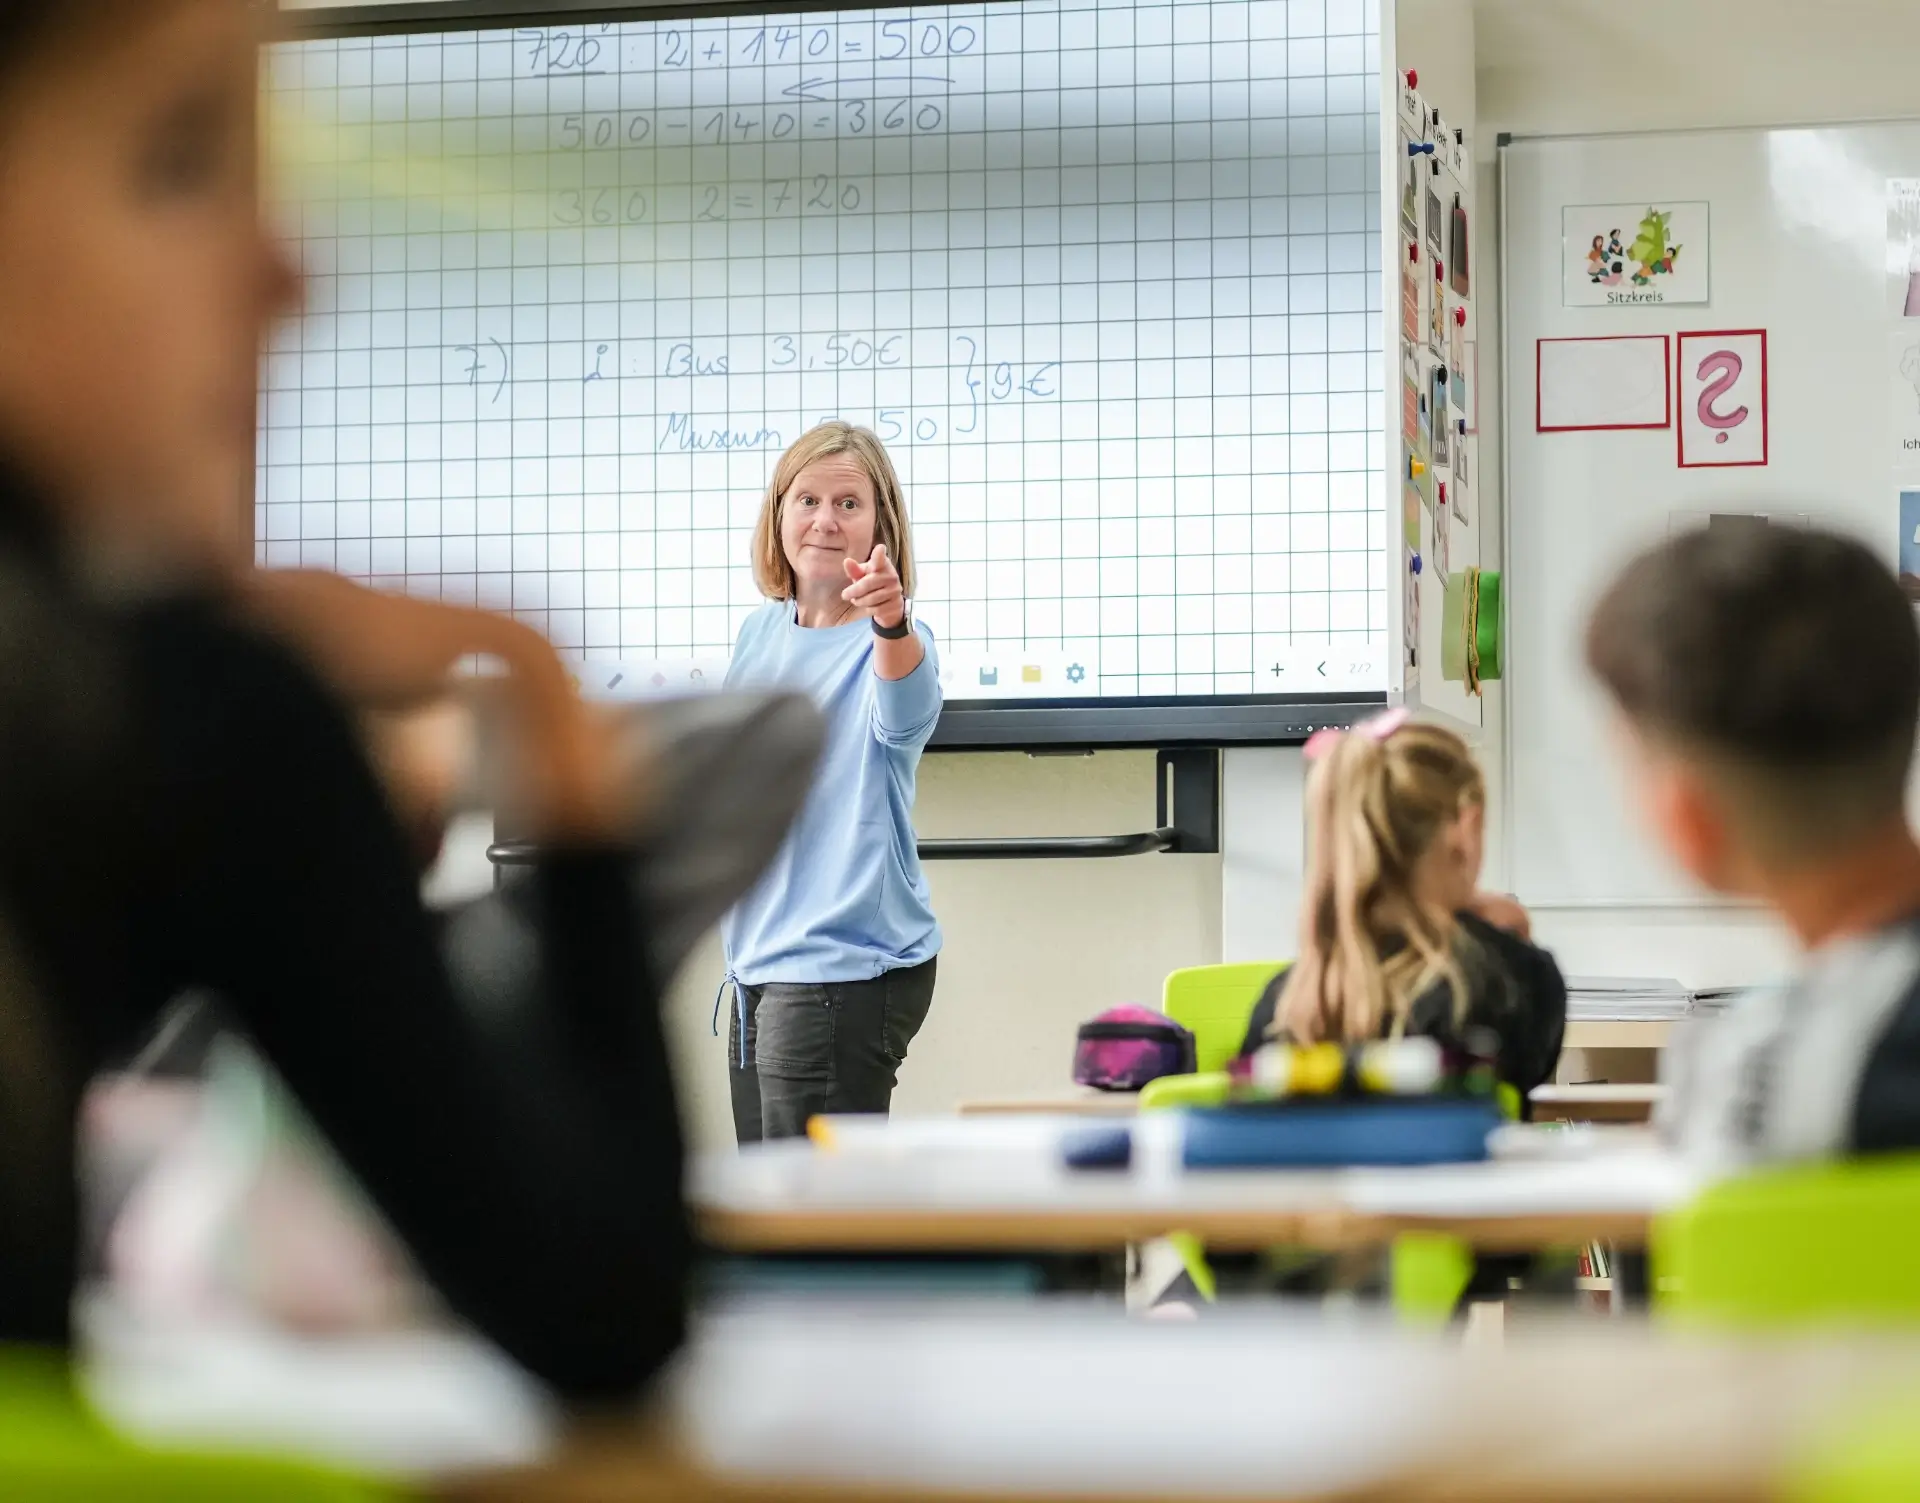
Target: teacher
column 831, row 957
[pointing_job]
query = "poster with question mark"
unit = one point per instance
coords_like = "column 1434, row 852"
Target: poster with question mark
column 1723, row 398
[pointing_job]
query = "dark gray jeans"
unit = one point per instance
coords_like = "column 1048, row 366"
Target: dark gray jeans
column 796, row 1051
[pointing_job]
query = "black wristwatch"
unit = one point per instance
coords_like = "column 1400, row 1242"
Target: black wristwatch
column 894, row 633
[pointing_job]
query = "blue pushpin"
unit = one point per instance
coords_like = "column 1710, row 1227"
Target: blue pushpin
column 1413, row 563
column 1416, row 148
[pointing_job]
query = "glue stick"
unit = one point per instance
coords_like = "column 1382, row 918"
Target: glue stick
column 1297, row 1070
column 1392, row 1067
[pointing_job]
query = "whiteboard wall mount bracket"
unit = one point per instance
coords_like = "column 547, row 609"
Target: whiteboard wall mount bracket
column 1186, row 823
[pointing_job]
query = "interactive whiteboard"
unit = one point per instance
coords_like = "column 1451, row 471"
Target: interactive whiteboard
column 1104, row 277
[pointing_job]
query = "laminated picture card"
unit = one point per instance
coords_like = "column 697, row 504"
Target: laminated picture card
column 1634, row 255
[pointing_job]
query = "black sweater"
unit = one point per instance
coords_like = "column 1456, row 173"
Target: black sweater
column 1513, row 988
column 200, row 815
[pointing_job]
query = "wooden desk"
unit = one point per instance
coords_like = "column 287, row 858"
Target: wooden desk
column 1609, row 1033
column 1327, row 1229
column 803, row 1403
column 1085, row 1102
column 1552, row 1103
column 1611, row 1416
column 790, row 1201
column 1595, row 1103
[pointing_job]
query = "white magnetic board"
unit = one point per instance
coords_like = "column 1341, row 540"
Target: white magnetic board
column 1105, row 276
column 1800, row 246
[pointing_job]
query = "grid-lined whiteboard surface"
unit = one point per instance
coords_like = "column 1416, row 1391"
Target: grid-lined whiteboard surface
column 1105, row 278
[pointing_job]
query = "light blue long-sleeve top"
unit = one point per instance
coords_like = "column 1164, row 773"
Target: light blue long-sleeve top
column 845, row 899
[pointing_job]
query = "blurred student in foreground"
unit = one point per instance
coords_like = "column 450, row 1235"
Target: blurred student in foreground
column 1768, row 682
column 185, row 799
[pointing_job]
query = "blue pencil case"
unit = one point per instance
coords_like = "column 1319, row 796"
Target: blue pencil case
column 1339, row 1134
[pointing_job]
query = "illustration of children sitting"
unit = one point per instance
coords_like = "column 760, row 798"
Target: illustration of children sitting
column 1650, row 250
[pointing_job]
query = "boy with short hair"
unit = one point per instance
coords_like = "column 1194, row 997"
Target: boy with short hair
column 1768, row 685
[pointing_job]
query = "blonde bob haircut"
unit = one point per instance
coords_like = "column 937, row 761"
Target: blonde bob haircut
column 772, row 570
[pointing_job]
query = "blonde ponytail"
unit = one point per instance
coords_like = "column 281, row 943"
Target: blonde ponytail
column 1369, row 945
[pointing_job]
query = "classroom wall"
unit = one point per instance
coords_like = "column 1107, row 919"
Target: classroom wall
column 1573, row 66
column 1033, row 948
column 1564, row 67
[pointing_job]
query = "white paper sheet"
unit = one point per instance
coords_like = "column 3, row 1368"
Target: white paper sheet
column 1603, row 383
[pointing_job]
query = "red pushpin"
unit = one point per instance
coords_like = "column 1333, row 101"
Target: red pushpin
column 1460, row 317
column 1413, row 79
column 1443, row 493
column 1439, row 272
column 1413, row 251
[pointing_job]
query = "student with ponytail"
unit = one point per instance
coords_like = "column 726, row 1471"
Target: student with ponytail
column 1395, row 936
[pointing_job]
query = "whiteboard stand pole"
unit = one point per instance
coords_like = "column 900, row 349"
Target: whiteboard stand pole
column 1505, row 749
column 1389, row 393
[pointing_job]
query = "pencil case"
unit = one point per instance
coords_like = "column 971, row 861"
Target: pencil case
column 1339, row 1134
column 1125, row 1047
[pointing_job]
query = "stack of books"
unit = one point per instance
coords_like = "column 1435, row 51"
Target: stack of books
column 1718, row 998
column 1643, row 999
column 1622, row 999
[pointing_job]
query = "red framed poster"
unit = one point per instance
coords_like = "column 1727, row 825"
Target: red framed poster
column 1612, row 381
column 1723, row 398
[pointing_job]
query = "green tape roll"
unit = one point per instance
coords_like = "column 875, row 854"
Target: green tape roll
column 1489, row 636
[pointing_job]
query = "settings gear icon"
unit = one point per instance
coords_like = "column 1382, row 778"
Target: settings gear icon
column 1076, row 674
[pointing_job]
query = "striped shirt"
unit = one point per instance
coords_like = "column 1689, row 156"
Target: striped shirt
column 1826, row 1066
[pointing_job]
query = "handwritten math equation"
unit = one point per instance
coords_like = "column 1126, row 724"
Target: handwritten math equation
column 888, row 108
column 602, row 47
column 714, row 203
column 783, row 81
column 978, row 381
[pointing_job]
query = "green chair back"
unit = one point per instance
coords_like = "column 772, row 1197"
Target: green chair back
column 1815, row 1243
column 54, row 1449
column 1214, row 1002
column 1871, row 1456
column 1169, row 1091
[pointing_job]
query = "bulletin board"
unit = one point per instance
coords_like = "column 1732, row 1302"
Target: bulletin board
column 1776, row 273
column 1434, row 505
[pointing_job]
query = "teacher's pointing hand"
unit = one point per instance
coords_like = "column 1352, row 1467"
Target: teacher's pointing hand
column 876, row 590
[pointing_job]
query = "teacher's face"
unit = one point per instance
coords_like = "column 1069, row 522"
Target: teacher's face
column 827, row 517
